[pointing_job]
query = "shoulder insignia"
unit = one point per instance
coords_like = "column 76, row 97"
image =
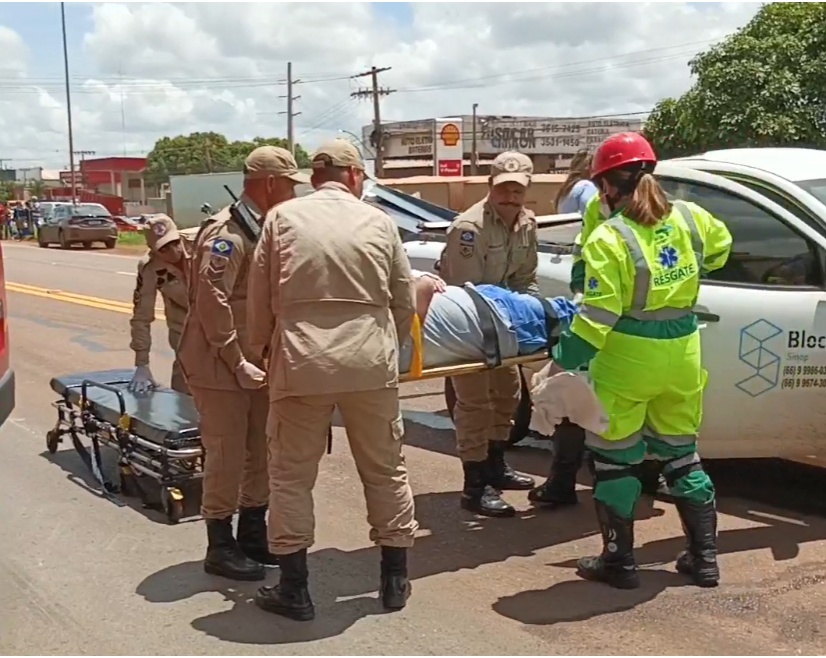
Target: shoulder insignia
column 222, row 248
column 467, row 237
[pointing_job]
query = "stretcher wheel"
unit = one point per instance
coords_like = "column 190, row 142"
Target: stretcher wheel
column 129, row 482
column 173, row 504
column 52, row 441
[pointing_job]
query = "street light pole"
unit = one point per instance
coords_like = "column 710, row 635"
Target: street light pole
column 68, row 101
column 473, row 143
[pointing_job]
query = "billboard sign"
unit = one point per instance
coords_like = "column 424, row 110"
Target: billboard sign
column 450, row 148
column 497, row 134
column 403, row 139
column 534, row 136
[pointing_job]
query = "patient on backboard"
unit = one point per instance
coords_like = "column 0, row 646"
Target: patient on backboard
column 452, row 327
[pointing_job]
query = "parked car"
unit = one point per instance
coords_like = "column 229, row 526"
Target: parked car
column 127, row 224
column 763, row 316
column 67, row 224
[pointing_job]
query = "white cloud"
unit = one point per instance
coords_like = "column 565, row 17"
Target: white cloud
column 160, row 69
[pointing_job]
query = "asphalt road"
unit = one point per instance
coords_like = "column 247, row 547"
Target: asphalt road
column 80, row 574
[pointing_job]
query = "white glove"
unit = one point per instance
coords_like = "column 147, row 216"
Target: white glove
column 142, row 380
column 250, row 376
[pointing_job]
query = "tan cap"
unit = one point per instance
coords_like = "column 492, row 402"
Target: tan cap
column 160, row 231
column 275, row 161
column 512, row 167
column 338, row 153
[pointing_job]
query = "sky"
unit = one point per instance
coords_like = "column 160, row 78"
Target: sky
column 142, row 71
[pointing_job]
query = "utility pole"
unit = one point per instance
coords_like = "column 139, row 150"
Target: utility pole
column 473, row 155
column 68, row 102
column 83, row 155
column 376, row 92
column 290, row 114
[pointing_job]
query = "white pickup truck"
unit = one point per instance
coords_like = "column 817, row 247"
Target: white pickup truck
column 763, row 316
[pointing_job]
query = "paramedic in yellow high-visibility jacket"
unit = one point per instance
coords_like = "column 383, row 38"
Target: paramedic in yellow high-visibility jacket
column 637, row 328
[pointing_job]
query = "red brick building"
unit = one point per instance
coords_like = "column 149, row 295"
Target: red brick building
column 118, row 176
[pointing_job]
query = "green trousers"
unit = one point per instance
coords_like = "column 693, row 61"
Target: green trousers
column 617, row 484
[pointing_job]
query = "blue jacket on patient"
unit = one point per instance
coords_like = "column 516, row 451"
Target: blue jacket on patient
column 527, row 317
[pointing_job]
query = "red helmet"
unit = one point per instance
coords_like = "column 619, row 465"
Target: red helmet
column 619, row 150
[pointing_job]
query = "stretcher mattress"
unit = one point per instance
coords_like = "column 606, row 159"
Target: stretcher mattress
column 162, row 416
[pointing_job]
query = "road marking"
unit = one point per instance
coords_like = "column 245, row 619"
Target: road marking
column 74, row 298
column 127, row 273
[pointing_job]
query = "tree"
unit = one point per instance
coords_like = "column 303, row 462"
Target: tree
column 200, row 153
column 36, row 188
column 765, row 85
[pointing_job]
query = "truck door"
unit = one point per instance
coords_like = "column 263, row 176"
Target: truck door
column 763, row 326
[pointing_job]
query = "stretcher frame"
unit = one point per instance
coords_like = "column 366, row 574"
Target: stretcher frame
column 473, row 367
column 176, row 473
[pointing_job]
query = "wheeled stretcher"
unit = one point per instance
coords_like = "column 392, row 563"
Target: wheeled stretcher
column 156, row 436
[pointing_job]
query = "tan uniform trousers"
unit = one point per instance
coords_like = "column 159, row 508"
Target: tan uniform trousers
column 485, row 404
column 298, row 437
column 234, row 437
column 178, row 382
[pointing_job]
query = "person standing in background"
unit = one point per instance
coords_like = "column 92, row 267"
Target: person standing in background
column 577, row 190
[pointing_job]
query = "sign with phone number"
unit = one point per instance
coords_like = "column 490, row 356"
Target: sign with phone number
column 803, row 377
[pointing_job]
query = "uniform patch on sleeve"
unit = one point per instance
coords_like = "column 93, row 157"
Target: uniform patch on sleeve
column 593, row 287
column 467, row 241
column 222, row 248
column 217, row 265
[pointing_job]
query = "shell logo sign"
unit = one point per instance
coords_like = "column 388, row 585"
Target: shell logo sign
column 450, row 134
column 449, row 151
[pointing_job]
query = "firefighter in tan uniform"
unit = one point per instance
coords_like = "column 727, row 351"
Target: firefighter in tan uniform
column 330, row 292
column 164, row 269
column 226, row 379
column 492, row 242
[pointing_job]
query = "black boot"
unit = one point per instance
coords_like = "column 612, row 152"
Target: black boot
column 224, row 557
column 290, row 598
column 502, row 476
column 616, row 565
column 700, row 526
column 252, row 535
column 478, row 496
column 560, row 488
column 395, row 587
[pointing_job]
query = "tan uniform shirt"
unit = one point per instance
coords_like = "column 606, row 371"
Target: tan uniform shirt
column 214, row 340
column 482, row 249
column 156, row 276
column 330, row 293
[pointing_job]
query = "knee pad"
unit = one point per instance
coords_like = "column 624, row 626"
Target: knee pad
column 604, row 469
column 676, row 469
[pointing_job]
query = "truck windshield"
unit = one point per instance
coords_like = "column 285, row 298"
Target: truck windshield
column 817, row 188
